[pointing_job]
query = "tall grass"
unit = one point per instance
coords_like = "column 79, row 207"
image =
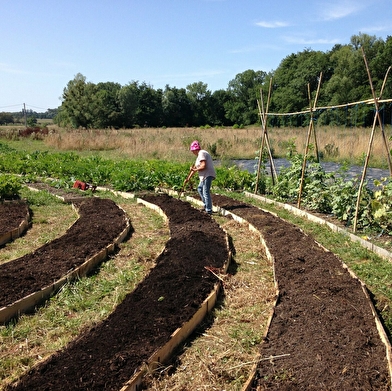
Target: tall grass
column 349, row 144
column 334, row 143
column 159, row 143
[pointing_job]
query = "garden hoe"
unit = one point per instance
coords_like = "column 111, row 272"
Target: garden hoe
column 186, row 181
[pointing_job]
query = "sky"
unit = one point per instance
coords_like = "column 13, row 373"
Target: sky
column 46, row 43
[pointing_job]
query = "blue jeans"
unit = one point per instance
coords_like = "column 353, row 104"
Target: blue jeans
column 204, row 192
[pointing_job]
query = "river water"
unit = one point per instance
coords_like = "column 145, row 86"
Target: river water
column 352, row 172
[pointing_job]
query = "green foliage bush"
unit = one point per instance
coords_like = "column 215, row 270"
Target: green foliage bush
column 234, row 179
column 10, row 186
column 381, row 205
column 330, row 193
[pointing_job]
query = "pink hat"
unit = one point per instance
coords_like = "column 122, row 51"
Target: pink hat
column 195, row 146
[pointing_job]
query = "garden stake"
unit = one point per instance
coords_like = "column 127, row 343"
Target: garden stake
column 210, row 269
column 264, row 138
column 311, row 127
column 186, row 181
column 376, row 118
column 182, row 189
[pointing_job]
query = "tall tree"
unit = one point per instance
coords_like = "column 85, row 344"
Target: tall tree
column 217, row 114
column 199, row 98
column 343, row 84
column 76, row 107
column 128, row 101
column 176, row 106
column 6, row 118
column 107, row 110
column 379, row 64
column 292, row 77
column 244, row 90
column 149, row 106
column 370, row 44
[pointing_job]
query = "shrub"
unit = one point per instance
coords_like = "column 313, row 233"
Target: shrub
column 10, row 186
column 36, row 132
column 382, row 205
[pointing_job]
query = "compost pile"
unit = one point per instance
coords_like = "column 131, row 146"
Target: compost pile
column 323, row 335
column 106, row 356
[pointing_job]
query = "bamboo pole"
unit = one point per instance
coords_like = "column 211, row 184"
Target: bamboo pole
column 265, row 133
column 367, row 102
column 272, row 164
column 261, row 147
column 264, row 138
column 377, row 106
column 376, row 118
column 312, row 118
column 310, row 128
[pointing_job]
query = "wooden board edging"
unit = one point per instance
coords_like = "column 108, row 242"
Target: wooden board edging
column 379, row 251
column 154, row 207
column 164, row 353
column 364, row 243
column 16, row 232
column 30, row 302
column 381, row 331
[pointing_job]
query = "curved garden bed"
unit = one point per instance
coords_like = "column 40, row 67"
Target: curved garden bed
column 106, row 356
column 27, row 281
column 324, row 333
column 14, row 220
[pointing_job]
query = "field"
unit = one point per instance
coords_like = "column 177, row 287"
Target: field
column 231, row 344
column 334, row 143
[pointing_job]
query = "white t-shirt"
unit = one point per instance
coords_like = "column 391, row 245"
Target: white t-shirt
column 209, row 170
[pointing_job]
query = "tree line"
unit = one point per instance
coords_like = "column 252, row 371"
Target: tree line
column 344, row 80
column 32, row 116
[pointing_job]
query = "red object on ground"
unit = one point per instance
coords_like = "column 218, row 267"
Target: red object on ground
column 83, row 186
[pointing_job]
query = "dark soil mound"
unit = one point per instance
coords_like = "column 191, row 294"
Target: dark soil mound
column 12, row 214
column 100, row 222
column 323, row 335
column 106, row 356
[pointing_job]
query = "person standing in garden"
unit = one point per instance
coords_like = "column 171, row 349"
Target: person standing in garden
column 205, row 168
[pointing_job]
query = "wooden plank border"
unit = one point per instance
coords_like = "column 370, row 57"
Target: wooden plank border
column 16, row 232
column 28, row 303
column 164, row 353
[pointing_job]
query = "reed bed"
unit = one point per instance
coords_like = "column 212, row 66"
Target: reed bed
column 160, row 143
column 338, row 144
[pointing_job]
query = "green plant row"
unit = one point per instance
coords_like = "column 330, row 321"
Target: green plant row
column 335, row 194
column 332, row 193
column 124, row 175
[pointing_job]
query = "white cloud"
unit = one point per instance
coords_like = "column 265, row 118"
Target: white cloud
column 271, row 25
column 311, row 41
column 254, row 48
column 376, row 28
column 6, row 68
column 332, row 11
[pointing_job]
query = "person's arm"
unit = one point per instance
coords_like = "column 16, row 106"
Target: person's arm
column 201, row 167
column 190, row 175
